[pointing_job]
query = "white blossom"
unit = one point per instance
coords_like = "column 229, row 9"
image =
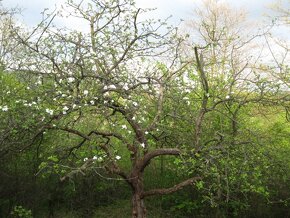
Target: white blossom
column 86, row 92
column 124, row 127
column 49, row 111
column 92, row 102
column 135, row 103
column 65, row 108
column 5, row 108
column 146, row 132
column 142, row 145
column 118, row 157
column 85, row 159
column 227, row 97
column 126, row 87
column 99, row 159
column 112, row 87
column 70, row 79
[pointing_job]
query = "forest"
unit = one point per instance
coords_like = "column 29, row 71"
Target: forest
column 131, row 116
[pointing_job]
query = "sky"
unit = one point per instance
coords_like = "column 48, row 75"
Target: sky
column 179, row 9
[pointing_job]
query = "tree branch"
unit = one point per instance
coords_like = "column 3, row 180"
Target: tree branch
column 158, row 152
column 164, row 191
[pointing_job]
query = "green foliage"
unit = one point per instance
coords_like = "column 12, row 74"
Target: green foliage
column 19, row 211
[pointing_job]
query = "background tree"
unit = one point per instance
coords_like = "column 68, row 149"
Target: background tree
column 229, row 86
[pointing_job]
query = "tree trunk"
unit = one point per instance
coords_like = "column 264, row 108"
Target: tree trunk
column 138, row 206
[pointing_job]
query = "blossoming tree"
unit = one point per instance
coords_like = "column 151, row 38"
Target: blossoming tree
column 107, row 88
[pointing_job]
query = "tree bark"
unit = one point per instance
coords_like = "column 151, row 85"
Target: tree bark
column 165, row 191
column 135, row 180
column 138, row 206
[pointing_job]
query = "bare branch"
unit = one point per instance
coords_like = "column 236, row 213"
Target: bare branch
column 164, row 191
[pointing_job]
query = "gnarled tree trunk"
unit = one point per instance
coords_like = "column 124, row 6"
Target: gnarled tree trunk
column 135, row 181
column 138, row 206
